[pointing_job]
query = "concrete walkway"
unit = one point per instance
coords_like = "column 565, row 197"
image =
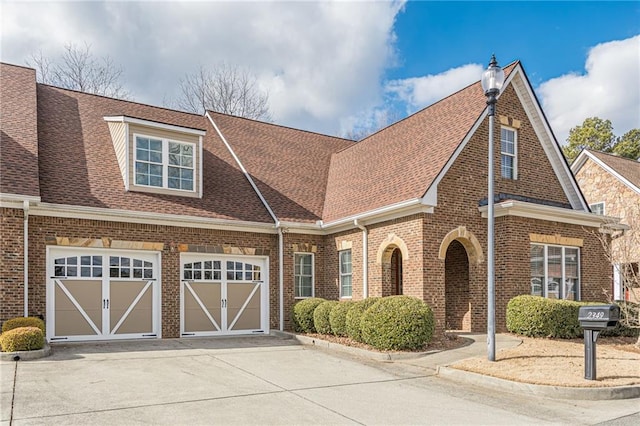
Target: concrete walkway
column 265, row 380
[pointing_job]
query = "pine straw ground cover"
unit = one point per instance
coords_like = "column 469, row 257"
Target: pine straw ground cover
column 561, row 363
column 437, row 343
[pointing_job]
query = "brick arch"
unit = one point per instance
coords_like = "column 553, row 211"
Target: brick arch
column 388, row 245
column 467, row 239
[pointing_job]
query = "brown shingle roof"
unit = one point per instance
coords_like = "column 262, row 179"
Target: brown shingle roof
column 78, row 164
column 400, row 162
column 289, row 166
column 19, row 133
column 625, row 167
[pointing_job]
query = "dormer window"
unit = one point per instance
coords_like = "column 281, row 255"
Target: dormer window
column 164, row 163
column 158, row 157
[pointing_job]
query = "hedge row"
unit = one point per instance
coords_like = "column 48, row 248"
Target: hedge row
column 536, row 316
column 389, row 323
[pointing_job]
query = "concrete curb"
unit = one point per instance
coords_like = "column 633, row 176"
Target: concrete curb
column 364, row 353
column 26, row 355
column 590, row 394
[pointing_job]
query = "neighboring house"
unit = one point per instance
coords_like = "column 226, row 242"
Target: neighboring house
column 611, row 186
column 123, row 220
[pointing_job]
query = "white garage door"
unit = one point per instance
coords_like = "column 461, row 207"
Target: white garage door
column 102, row 294
column 223, row 295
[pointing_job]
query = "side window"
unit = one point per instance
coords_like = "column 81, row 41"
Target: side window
column 508, row 153
column 345, row 274
column 597, row 208
column 303, row 274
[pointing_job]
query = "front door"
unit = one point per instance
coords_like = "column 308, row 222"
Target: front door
column 223, row 295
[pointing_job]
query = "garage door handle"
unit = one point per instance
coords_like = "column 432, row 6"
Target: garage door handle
column 224, row 303
column 105, row 303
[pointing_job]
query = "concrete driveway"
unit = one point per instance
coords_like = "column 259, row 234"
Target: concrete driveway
column 260, row 380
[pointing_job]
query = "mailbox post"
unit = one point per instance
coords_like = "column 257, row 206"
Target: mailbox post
column 594, row 319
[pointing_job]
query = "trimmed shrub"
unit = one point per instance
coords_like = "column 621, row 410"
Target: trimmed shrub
column 620, row 329
column 22, row 339
column 397, row 323
column 22, row 322
column 355, row 313
column 302, row 315
column 536, row 316
column 321, row 315
column 338, row 318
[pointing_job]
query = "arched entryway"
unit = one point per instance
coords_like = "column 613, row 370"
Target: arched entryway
column 392, row 254
column 456, row 276
column 461, row 252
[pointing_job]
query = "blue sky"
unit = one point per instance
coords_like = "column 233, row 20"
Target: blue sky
column 337, row 67
column 550, row 38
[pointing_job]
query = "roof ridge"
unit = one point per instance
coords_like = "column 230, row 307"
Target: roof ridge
column 281, row 126
column 121, row 100
column 611, row 154
column 420, row 111
column 17, row 66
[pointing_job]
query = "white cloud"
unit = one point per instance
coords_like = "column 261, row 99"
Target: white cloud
column 418, row 92
column 320, row 61
column 610, row 89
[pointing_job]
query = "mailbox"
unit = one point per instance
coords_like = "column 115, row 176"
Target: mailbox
column 594, row 319
column 598, row 317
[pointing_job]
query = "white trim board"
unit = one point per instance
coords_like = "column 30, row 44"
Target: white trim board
column 582, row 159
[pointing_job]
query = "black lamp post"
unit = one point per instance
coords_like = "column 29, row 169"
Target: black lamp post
column 492, row 81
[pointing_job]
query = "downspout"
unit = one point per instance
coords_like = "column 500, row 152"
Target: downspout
column 280, row 275
column 365, row 258
column 271, row 213
column 25, row 207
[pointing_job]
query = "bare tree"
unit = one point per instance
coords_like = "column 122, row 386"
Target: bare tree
column 78, row 69
column 228, row 89
column 379, row 120
column 622, row 248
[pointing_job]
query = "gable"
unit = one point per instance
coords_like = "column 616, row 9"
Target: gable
column 625, row 170
column 518, row 107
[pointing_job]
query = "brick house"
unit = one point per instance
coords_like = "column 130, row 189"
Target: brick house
column 123, row 220
column 611, row 186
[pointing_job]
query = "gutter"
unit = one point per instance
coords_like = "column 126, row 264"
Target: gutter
column 25, row 207
column 280, row 276
column 416, row 202
column 365, row 258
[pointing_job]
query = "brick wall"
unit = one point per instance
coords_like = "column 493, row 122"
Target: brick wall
column 43, row 228
column 299, row 243
column 11, row 264
column 459, row 193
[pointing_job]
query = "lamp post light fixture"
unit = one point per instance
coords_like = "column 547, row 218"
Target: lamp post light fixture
column 492, row 81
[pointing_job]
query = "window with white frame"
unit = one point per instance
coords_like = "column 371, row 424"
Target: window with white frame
column 508, row 153
column 345, row 273
column 597, row 208
column 303, row 274
column 164, row 163
column 555, row 271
